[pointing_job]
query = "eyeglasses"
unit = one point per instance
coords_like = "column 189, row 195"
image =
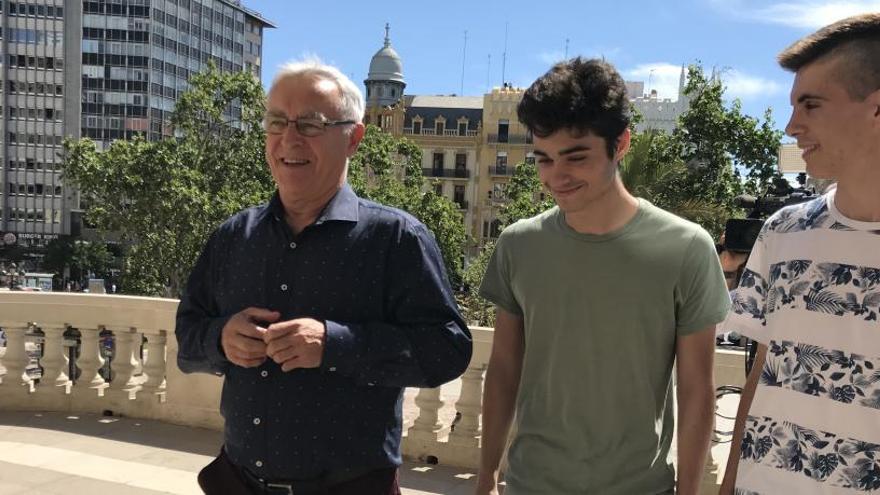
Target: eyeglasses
column 305, row 126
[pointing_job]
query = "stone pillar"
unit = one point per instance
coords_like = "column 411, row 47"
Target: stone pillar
column 15, row 383
column 90, row 360
column 51, row 393
column 469, row 405
column 427, row 425
column 123, row 386
column 155, row 364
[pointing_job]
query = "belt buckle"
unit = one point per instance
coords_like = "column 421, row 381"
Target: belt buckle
column 281, row 486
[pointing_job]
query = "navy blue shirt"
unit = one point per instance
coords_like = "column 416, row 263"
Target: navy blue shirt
column 375, row 277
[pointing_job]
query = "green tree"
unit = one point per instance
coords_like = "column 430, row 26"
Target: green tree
column 523, row 195
column 163, row 198
column 717, row 141
column 79, row 256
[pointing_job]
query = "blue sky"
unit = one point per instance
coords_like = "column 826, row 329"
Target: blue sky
column 647, row 41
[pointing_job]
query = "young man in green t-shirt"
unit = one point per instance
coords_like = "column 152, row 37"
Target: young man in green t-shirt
column 596, row 299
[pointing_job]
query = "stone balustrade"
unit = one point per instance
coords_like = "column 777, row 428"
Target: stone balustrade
column 146, row 383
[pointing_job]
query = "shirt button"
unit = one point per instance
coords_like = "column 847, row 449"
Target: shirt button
column 333, row 368
column 258, row 464
column 284, row 287
column 256, row 421
column 264, row 373
column 292, row 245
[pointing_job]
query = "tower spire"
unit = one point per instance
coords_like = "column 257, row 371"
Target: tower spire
column 387, row 35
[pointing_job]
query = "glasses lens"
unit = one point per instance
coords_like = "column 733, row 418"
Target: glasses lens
column 309, row 127
column 275, row 125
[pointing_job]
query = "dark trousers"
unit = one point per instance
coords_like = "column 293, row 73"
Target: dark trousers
column 222, row 477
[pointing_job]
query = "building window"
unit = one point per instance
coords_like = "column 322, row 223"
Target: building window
column 438, row 164
column 530, row 158
column 495, row 229
column 439, row 127
column 462, row 128
column 503, row 129
column 499, row 190
column 458, row 196
column 417, row 127
column 501, row 162
column 460, row 161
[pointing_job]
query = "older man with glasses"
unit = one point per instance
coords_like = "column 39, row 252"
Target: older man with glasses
column 318, row 308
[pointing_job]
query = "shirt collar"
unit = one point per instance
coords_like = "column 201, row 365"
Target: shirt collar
column 343, row 207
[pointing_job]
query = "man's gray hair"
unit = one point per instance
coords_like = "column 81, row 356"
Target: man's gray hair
column 352, row 101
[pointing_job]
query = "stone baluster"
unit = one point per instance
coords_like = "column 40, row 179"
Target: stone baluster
column 123, row 360
column 90, row 360
column 154, row 367
column 54, row 361
column 469, row 405
column 427, row 425
column 15, row 360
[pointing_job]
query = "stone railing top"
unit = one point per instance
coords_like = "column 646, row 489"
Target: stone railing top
column 87, row 310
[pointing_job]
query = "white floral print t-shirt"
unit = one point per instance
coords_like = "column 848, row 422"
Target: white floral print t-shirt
column 811, row 293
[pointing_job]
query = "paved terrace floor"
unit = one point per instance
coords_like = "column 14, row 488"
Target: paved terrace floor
column 57, row 453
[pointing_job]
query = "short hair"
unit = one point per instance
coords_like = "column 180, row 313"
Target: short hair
column 352, row 100
column 583, row 95
column 854, row 42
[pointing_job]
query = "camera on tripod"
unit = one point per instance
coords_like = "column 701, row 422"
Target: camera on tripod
column 740, row 234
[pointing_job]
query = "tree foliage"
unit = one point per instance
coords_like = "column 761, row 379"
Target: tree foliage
column 79, row 256
column 163, row 198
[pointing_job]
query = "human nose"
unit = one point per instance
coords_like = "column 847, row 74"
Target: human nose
column 291, row 134
column 793, row 128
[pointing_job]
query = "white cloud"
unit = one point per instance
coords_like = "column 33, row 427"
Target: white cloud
column 804, row 14
column 663, row 77
column 745, row 86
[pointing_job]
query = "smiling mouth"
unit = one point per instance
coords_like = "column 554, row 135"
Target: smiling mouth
column 806, row 150
column 294, row 161
column 567, row 191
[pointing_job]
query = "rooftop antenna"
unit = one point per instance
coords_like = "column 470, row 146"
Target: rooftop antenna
column 463, row 57
column 566, row 49
column 504, row 57
column 489, row 74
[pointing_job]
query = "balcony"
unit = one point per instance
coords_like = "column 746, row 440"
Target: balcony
column 454, row 173
column 151, row 427
column 510, row 138
column 505, row 170
column 432, row 132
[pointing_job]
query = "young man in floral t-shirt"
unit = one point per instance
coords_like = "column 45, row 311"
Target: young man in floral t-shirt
column 809, row 416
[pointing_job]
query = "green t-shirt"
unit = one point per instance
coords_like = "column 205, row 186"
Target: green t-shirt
column 601, row 313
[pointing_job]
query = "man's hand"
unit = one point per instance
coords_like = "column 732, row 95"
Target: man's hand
column 242, row 338
column 296, row 343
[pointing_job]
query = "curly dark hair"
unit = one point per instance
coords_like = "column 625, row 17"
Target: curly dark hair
column 855, row 44
column 583, row 95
